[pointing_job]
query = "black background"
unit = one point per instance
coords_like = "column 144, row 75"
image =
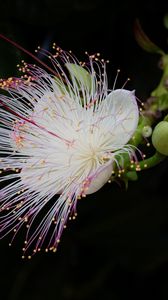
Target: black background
column 118, row 246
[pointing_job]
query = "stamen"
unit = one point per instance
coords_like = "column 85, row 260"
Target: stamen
column 115, row 80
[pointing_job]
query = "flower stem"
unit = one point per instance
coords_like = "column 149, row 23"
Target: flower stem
column 148, row 163
column 138, row 137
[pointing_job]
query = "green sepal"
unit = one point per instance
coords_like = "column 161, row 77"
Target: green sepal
column 131, row 175
column 81, row 75
column 61, row 85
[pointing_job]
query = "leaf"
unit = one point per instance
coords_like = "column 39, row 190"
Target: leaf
column 165, row 21
column 143, row 40
column 163, row 102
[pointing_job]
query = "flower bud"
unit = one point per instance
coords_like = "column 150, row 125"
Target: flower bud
column 146, row 131
column 160, row 137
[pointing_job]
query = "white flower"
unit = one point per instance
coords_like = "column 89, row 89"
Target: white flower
column 58, row 135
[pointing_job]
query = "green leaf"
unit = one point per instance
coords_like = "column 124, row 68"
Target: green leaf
column 163, row 102
column 165, row 21
column 143, row 40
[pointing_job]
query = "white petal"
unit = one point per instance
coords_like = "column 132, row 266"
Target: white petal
column 122, row 115
column 100, row 179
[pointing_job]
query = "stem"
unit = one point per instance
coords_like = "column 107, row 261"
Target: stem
column 138, row 137
column 148, row 163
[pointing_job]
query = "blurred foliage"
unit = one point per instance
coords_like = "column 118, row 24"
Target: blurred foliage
column 118, row 246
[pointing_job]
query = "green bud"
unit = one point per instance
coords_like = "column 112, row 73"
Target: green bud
column 146, row 131
column 160, row 137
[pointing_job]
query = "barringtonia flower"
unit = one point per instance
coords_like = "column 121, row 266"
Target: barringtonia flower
column 60, row 135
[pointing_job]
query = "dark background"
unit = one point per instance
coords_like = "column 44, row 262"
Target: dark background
column 118, row 246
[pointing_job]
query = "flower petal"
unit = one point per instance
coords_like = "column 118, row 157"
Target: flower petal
column 100, row 179
column 121, row 117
